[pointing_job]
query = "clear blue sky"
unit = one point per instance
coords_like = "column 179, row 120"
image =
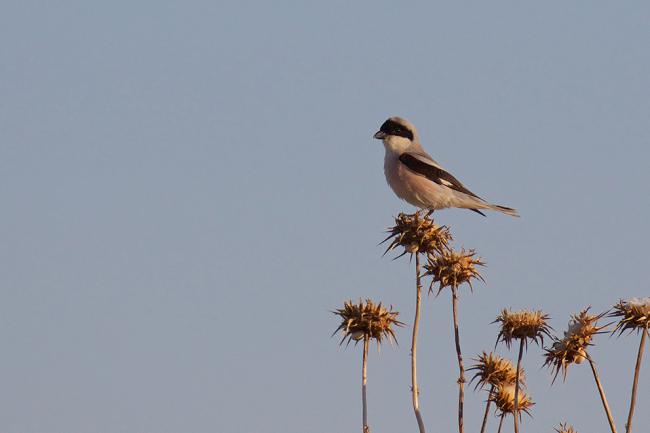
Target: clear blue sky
column 188, row 189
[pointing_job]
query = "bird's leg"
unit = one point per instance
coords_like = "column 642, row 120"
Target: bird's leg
column 430, row 213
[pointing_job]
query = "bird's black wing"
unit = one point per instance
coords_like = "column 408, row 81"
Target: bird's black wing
column 434, row 174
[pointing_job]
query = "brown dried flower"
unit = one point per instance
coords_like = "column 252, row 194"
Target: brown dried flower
column 417, row 234
column 522, row 325
column 504, row 399
column 451, row 269
column 572, row 349
column 564, row 428
column 494, row 370
column 634, row 314
column 366, row 320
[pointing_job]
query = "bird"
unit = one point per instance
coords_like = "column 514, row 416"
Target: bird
column 414, row 176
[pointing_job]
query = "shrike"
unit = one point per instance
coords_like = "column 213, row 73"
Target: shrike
column 418, row 179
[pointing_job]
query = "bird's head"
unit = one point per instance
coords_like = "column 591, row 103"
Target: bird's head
column 397, row 134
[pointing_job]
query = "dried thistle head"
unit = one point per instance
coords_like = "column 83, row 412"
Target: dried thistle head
column 522, row 325
column 366, row 320
column 572, row 349
column 634, row 315
column 417, row 234
column 564, row 428
column 494, row 370
column 451, row 269
column 504, row 399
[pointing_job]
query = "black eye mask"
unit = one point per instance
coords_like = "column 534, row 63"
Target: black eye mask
column 390, row 127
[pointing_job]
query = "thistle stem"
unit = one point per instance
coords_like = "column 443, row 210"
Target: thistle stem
column 608, row 412
column 366, row 428
column 487, row 409
column 639, row 358
column 416, row 323
column 501, row 423
column 461, row 368
column 515, row 414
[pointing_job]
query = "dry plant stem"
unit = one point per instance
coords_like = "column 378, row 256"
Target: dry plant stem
column 516, row 408
column 639, row 358
column 487, row 410
column 366, row 342
column 416, row 323
column 501, row 423
column 461, row 368
column 608, row 412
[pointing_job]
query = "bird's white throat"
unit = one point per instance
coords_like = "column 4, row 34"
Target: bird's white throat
column 396, row 144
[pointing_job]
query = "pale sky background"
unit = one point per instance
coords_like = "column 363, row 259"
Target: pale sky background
column 189, row 188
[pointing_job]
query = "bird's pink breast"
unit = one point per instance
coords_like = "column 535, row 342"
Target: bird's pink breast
column 414, row 188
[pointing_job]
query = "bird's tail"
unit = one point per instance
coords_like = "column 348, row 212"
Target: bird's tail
column 506, row 210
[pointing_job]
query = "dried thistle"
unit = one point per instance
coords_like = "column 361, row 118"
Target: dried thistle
column 572, row 349
column 634, row 314
column 564, row 428
column 417, row 234
column 367, row 320
column 451, row 269
column 522, row 325
column 504, row 399
column 494, row 370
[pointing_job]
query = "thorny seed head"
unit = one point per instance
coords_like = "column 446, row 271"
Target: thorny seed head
column 366, row 320
column 572, row 349
column 504, row 399
column 417, row 234
column 494, row 370
column 522, row 325
column 564, row 428
column 634, row 315
column 451, row 269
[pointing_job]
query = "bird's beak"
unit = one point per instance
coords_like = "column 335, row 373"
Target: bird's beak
column 379, row 135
